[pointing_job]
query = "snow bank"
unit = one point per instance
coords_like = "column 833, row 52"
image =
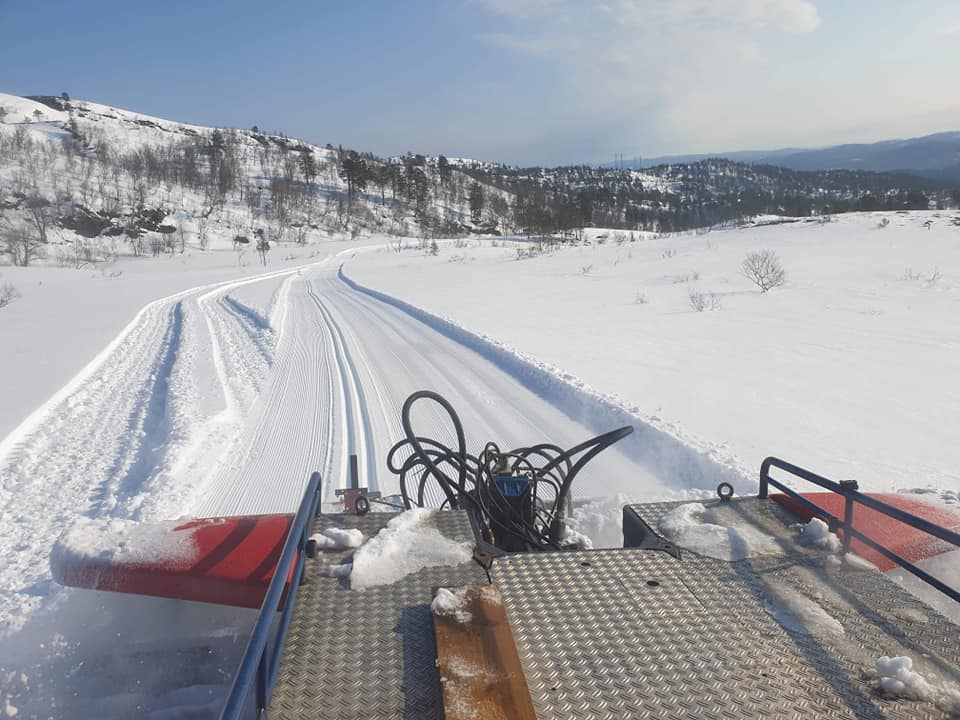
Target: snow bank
column 121, row 541
column 816, row 533
column 681, row 459
column 338, row 539
column 407, row 544
column 683, row 526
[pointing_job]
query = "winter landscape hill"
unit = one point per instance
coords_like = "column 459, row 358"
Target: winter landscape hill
column 193, row 319
column 936, row 156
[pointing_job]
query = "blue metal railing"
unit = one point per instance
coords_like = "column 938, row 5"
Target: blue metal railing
column 852, row 497
column 261, row 659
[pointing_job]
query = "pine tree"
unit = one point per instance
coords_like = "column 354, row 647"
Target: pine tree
column 476, row 202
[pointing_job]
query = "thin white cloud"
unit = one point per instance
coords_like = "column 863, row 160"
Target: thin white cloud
column 651, row 62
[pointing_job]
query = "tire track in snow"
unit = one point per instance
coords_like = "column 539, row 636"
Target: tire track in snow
column 149, row 425
column 104, row 444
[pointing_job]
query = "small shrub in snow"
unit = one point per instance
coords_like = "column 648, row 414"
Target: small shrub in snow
column 585, row 270
column 883, row 223
column 641, row 299
column 704, row 301
column 934, row 276
column 689, row 277
column 8, row 293
column 764, row 270
column 909, row 274
column 668, row 253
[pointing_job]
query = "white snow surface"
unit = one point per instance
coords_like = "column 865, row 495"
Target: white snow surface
column 338, row 538
column 945, row 567
column 897, row 678
column 848, row 369
column 407, row 544
column 118, row 540
column 816, row 533
column 689, row 527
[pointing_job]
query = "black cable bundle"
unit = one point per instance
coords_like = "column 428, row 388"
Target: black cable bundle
column 445, row 477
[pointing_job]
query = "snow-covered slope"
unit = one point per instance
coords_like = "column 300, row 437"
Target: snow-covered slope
column 850, row 368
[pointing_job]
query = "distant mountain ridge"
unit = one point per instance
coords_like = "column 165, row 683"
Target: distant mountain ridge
column 936, row 155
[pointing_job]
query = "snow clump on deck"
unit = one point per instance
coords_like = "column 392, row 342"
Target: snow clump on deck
column 451, row 603
column 407, row 544
column 338, row 539
column 816, row 533
column 683, row 526
column 896, row 678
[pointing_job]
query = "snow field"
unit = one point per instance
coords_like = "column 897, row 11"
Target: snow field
column 847, row 369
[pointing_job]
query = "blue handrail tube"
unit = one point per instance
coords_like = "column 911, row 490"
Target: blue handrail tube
column 260, row 662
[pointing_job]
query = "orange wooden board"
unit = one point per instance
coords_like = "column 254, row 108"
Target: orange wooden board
column 480, row 670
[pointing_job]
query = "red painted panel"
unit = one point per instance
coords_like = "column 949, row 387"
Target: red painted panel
column 234, row 563
column 907, row 542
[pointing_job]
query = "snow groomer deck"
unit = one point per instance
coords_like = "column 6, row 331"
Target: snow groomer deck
column 792, row 625
column 466, row 597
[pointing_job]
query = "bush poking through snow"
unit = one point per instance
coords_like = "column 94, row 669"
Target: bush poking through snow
column 704, row 301
column 763, row 269
column 8, row 293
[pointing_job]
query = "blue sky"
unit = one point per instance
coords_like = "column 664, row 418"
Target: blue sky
column 517, row 81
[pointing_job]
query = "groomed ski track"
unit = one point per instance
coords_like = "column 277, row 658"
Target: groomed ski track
column 221, row 400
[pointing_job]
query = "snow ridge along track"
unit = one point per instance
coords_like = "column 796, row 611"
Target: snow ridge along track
column 111, row 442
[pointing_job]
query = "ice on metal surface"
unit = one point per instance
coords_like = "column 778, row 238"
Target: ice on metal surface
column 690, row 526
column 407, row 544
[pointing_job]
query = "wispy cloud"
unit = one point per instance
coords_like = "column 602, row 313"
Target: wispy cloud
column 668, row 68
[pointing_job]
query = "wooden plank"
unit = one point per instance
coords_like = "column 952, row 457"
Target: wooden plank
column 480, row 669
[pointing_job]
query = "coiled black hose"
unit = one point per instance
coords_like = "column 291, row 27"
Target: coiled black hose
column 434, row 475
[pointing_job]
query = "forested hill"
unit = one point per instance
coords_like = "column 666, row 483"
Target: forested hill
column 689, row 195
column 81, row 181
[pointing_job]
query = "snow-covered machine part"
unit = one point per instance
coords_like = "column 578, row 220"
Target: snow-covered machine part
column 224, row 560
column 616, row 633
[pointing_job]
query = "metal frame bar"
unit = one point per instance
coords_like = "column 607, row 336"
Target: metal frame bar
column 853, row 497
column 261, row 661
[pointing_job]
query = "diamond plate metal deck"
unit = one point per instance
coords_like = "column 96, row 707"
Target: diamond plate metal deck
column 614, row 634
column 363, row 654
column 617, row 634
